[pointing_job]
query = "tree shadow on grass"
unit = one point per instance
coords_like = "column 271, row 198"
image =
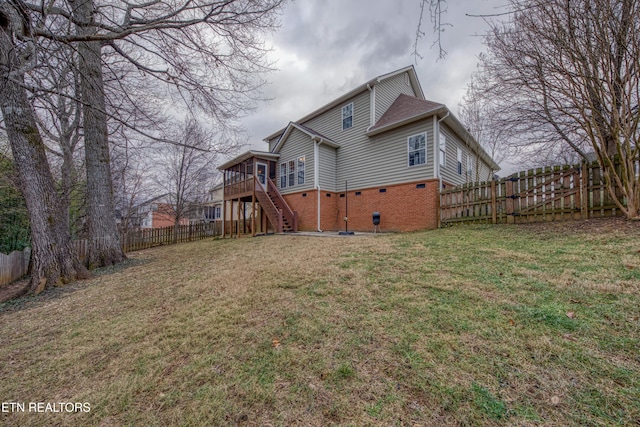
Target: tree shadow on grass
column 13, row 297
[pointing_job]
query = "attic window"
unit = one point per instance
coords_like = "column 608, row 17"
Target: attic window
column 406, row 79
column 347, row 116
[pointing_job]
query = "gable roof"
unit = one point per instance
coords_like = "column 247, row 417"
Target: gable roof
column 247, row 155
column 404, row 109
column 316, row 136
column 413, row 78
column 408, row 109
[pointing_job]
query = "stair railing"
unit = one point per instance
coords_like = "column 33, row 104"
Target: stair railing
column 290, row 215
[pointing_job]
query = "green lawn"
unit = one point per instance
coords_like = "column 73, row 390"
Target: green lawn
column 472, row 325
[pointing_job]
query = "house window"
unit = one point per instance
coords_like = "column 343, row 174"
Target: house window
column 459, row 155
column 283, row 175
column 417, row 149
column 300, row 170
column 443, row 150
column 406, row 79
column 218, row 212
column 469, row 165
column 292, row 173
column 347, row 116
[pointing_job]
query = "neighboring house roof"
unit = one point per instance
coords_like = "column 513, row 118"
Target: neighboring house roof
column 316, row 136
column 153, row 199
column 405, row 109
column 247, row 155
column 413, row 78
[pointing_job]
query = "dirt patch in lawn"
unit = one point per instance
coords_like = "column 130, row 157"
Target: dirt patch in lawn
column 595, row 226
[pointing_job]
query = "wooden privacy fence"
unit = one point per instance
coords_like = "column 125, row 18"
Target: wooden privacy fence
column 14, row 265
column 544, row 194
column 143, row 239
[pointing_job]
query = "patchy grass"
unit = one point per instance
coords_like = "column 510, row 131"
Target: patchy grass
column 529, row 325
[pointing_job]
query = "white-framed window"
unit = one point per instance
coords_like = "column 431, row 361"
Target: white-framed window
column 459, row 156
column 416, row 146
column 443, row 149
column 406, row 79
column 283, row 175
column 469, row 165
column 292, row 173
column 347, row 116
column 218, row 213
column 300, row 170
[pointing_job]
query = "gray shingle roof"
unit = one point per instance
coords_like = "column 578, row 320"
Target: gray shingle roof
column 403, row 108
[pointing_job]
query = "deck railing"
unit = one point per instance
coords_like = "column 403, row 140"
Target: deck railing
column 240, row 187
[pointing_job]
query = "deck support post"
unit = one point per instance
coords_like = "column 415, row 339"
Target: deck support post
column 253, row 209
column 238, row 221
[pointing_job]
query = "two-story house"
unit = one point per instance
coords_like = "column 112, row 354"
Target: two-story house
column 382, row 147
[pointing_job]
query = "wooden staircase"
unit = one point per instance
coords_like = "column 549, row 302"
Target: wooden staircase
column 276, row 208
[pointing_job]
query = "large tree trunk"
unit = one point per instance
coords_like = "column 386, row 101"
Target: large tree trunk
column 54, row 260
column 104, row 240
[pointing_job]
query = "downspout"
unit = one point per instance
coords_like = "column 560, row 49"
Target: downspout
column 372, row 106
column 438, row 160
column 439, row 175
column 316, row 176
column 224, row 202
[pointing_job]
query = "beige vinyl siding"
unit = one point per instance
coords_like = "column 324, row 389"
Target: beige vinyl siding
column 297, row 144
column 388, row 90
column 484, row 172
column 381, row 160
column 384, row 159
column 327, row 170
column 450, row 172
column 329, row 124
column 273, row 142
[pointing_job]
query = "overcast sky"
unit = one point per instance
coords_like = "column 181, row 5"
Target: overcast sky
column 325, row 48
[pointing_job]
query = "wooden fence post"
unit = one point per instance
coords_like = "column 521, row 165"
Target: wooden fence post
column 494, row 207
column 584, row 196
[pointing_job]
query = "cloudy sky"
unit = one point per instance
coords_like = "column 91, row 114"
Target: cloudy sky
column 325, row 48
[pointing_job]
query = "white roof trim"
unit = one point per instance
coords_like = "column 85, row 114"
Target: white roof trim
column 412, row 76
column 407, row 120
column 451, row 121
column 247, row 155
column 314, row 137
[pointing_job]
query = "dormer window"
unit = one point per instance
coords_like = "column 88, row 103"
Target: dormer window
column 347, row 116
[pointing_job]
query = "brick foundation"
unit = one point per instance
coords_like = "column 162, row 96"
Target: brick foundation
column 402, row 207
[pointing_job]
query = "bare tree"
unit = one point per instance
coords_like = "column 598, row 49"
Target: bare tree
column 437, row 9
column 131, row 172
column 54, row 258
column 567, row 72
column 54, row 92
column 210, row 52
column 187, row 169
column 477, row 115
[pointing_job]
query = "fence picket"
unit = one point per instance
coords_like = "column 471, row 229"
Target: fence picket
column 543, row 194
